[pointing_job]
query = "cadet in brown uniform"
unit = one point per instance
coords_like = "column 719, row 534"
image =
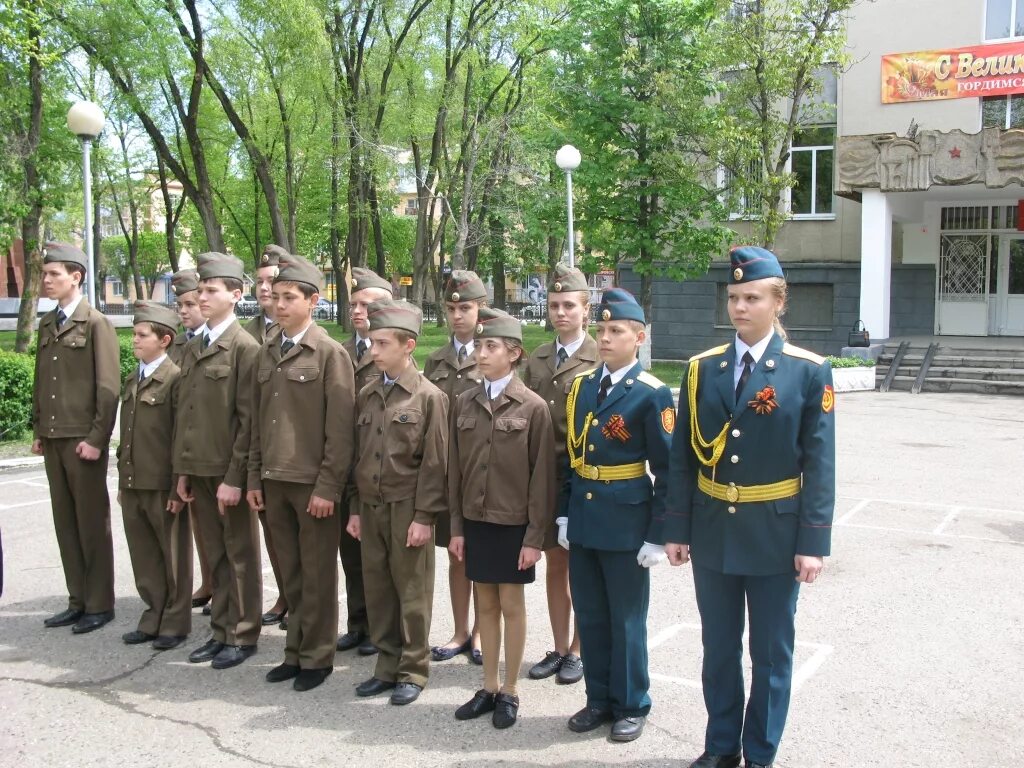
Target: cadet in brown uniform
column 501, row 490
column 549, row 373
column 299, row 462
column 260, row 327
column 159, row 536
column 402, row 443
column 74, row 402
column 452, row 369
column 211, row 453
column 185, row 284
column 366, row 287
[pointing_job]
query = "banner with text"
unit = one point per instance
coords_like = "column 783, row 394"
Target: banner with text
column 954, row 73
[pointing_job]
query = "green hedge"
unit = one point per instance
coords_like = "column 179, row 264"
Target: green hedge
column 128, row 362
column 850, row 362
column 17, row 372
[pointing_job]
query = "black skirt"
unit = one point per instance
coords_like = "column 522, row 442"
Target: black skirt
column 492, row 553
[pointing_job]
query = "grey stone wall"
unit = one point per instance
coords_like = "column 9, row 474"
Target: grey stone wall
column 684, row 312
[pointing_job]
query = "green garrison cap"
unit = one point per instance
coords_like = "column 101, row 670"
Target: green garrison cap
column 565, row 279
column 213, row 265
column 464, row 285
column 152, row 312
column 65, row 252
column 363, row 278
column 295, row 269
column 398, row 314
column 493, row 323
column 184, row 280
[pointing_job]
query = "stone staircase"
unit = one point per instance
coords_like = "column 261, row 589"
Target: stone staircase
column 955, row 369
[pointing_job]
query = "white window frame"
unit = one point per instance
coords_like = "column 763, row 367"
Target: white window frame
column 1013, row 24
column 117, row 288
column 814, row 178
column 1007, row 111
column 744, row 213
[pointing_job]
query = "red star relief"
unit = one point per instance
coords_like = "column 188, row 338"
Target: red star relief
column 954, row 153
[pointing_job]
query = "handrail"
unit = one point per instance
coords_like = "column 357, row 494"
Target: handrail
column 925, row 365
column 890, row 375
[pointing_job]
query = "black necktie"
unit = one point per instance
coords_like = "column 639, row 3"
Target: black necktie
column 286, row 345
column 606, row 384
column 189, row 335
column 489, row 396
column 748, row 366
column 462, row 355
column 205, row 343
column 562, row 357
column 61, row 318
column 360, row 350
column 142, row 376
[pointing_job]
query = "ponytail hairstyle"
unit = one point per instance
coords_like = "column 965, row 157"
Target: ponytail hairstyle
column 780, row 290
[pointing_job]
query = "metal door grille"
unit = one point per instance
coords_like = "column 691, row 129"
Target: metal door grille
column 963, row 268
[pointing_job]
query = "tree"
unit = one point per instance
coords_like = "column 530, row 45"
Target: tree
column 772, row 56
column 635, row 91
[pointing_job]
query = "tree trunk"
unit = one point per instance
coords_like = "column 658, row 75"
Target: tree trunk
column 378, row 233
column 170, row 214
column 497, row 251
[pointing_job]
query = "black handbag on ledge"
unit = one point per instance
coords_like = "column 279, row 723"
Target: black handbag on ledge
column 859, row 335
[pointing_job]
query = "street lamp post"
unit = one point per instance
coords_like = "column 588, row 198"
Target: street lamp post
column 85, row 120
column 568, row 159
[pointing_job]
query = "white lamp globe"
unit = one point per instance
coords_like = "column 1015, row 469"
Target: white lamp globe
column 85, row 119
column 568, row 158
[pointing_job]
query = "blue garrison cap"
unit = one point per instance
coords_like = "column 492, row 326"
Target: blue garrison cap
column 750, row 262
column 619, row 304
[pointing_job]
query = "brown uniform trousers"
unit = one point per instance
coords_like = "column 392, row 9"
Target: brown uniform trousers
column 402, row 439
column 552, row 383
column 160, row 543
column 348, row 548
column 211, row 446
column 77, row 384
column 443, row 370
column 501, row 461
column 304, row 405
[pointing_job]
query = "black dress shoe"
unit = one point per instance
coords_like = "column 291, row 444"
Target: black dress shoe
column 92, row 621
column 506, row 709
column 367, row 648
column 272, row 617
column 571, row 670
column 65, row 618
column 135, row 637
column 207, row 609
column 589, row 718
column 628, row 728
column 373, row 686
column 546, row 667
column 481, row 703
column 350, row 640
column 308, row 679
column 167, row 642
column 405, row 693
column 282, row 672
column 232, row 655
column 711, row 760
column 199, row 602
column 440, row 653
column 206, row 651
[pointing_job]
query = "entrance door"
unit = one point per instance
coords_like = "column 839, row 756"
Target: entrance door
column 1008, row 304
column 963, row 306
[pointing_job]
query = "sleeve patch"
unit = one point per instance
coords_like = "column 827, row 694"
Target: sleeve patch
column 828, row 399
column 668, row 420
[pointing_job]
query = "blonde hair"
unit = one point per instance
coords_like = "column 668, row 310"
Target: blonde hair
column 780, row 290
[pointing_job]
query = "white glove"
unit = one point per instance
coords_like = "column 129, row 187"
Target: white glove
column 651, row 555
column 563, row 531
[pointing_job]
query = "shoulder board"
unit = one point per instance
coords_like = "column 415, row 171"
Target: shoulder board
column 585, row 373
column 803, row 354
column 708, row 353
column 650, row 380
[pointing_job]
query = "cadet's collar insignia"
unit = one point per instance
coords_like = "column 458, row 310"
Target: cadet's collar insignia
column 606, row 315
column 764, row 402
column 668, row 420
column 629, row 382
column 557, row 287
column 737, row 273
column 615, row 428
column 723, row 364
column 455, row 295
column 828, row 399
column 769, row 363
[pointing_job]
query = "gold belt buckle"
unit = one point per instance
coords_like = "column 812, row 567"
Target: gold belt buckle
column 591, row 472
column 732, row 493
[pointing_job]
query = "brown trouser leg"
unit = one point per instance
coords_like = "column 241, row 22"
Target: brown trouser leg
column 275, row 566
column 309, row 570
column 160, row 545
column 352, row 565
column 399, row 582
column 81, row 518
column 233, row 551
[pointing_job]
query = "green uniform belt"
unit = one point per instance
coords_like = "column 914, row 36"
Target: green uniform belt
column 617, row 472
column 741, row 493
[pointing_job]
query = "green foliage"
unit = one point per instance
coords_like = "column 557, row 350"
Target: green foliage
column 17, row 372
column 850, row 362
column 129, row 363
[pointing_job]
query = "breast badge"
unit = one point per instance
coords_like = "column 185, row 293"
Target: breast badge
column 615, row 429
column 764, row 402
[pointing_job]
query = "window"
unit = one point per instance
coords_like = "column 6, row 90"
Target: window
column 743, row 203
column 412, row 205
column 1004, row 19
column 811, row 164
column 809, row 306
column 116, row 288
column 1003, row 111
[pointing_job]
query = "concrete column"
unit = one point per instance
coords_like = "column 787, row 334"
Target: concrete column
column 875, row 262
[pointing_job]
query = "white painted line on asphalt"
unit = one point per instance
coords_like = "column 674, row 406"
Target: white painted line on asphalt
column 949, row 518
column 940, row 505
column 807, row 670
column 23, row 480
column 676, row 680
column 4, row 507
column 667, row 634
column 856, row 508
column 930, row 533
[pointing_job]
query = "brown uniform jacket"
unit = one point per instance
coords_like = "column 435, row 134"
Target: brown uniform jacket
column 444, row 372
column 214, row 407
column 554, row 385
column 501, row 461
column 78, row 377
column 402, row 445
column 257, row 327
column 147, row 429
column 304, row 414
column 365, row 370
column 177, row 350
